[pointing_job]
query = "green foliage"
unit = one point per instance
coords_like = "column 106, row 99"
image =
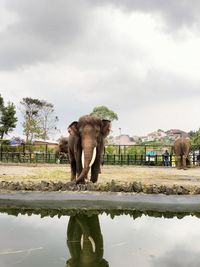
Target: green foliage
column 195, row 138
column 110, row 149
column 103, row 112
column 47, row 120
column 191, row 134
column 38, row 118
column 8, row 119
column 139, row 150
column 30, row 108
column 116, row 149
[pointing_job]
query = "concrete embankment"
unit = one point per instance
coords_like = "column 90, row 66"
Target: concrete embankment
column 100, row 201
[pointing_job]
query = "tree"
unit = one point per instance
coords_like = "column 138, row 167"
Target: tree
column 30, row 110
column 8, row 119
column 47, row 120
column 39, row 120
column 195, row 137
column 1, row 109
column 191, row 134
column 103, row 112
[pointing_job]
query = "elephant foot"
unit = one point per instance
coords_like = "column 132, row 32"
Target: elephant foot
column 185, row 168
column 81, row 181
column 94, row 177
column 71, row 183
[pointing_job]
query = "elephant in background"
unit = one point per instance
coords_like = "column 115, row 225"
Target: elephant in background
column 62, row 149
column 85, row 242
column 181, row 149
column 86, row 146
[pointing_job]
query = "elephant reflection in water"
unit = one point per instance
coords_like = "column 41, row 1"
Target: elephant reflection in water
column 85, row 242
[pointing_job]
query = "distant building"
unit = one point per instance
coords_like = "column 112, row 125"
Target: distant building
column 157, row 135
column 174, row 133
column 123, row 139
column 50, row 143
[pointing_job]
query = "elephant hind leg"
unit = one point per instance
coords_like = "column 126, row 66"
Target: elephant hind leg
column 184, row 162
column 179, row 162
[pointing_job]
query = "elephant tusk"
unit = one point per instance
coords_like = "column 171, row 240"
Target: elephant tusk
column 93, row 156
column 93, row 244
column 91, row 241
column 82, row 159
column 92, row 160
column 82, row 242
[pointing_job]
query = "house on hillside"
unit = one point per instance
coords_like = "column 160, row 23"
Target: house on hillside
column 174, row 133
column 157, row 135
column 123, row 139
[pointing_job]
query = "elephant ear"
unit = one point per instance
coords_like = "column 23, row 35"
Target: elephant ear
column 106, row 127
column 73, row 128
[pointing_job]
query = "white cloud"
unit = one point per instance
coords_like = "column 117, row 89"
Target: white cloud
column 125, row 56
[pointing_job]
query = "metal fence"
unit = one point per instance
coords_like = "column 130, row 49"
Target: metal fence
column 121, row 155
column 108, row 159
column 30, row 157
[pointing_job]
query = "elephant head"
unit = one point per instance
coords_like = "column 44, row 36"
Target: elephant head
column 63, row 145
column 89, row 134
column 62, row 149
column 85, row 242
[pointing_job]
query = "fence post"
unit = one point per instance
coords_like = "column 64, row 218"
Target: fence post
column 141, row 159
column 193, row 159
column 145, row 150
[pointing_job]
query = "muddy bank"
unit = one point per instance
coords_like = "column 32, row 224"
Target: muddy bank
column 133, row 179
column 135, row 187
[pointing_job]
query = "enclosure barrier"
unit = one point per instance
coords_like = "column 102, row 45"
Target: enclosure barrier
column 108, row 159
column 113, row 155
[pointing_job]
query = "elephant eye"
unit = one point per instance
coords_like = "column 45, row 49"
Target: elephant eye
column 80, row 131
column 97, row 131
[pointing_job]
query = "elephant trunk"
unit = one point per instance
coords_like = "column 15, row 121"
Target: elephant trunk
column 88, row 158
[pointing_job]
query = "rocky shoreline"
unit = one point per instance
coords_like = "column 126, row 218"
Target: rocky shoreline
column 135, row 187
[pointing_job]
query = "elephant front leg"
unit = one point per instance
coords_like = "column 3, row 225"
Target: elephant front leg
column 95, row 170
column 73, row 170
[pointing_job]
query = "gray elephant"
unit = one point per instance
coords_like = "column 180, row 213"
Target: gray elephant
column 181, row 149
column 62, row 149
column 85, row 242
column 86, row 145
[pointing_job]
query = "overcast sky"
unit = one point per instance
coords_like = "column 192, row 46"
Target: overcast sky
column 139, row 58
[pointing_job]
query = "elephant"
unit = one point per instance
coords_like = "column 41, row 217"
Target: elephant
column 62, row 149
column 181, row 149
column 86, row 146
column 85, row 242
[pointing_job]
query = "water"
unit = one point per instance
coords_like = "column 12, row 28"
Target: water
column 99, row 240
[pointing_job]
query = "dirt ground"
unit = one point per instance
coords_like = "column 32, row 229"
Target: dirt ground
column 145, row 175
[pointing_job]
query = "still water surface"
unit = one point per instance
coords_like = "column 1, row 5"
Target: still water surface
column 99, row 240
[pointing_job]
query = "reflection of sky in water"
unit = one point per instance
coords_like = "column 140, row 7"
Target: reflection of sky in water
column 152, row 242
column 145, row 241
column 46, row 237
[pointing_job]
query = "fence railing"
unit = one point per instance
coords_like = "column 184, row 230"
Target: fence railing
column 30, row 157
column 108, row 159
